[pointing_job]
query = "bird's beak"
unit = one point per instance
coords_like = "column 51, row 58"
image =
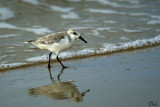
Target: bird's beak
column 80, row 37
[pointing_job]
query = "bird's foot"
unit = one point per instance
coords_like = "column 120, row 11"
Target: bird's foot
column 64, row 67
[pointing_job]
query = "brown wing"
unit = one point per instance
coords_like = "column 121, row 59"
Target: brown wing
column 51, row 38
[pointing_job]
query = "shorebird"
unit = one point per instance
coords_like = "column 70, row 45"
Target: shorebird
column 57, row 43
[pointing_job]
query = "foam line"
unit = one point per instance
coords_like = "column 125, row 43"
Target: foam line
column 105, row 49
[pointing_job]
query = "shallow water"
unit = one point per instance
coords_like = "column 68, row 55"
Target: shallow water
column 105, row 24
column 117, row 80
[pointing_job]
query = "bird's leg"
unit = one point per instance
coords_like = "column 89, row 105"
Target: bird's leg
column 61, row 63
column 50, row 74
column 58, row 77
column 49, row 61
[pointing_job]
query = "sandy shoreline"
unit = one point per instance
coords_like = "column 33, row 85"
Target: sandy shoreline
column 122, row 79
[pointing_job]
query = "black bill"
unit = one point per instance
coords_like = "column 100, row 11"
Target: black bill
column 80, row 37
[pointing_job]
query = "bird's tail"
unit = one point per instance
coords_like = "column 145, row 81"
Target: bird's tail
column 29, row 41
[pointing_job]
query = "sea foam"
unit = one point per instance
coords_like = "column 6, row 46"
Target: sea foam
column 114, row 4
column 5, row 13
column 39, row 30
column 70, row 15
column 33, row 2
column 105, row 11
column 11, row 65
column 107, row 48
column 61, row 9
column 7, row 36
column 153, row 22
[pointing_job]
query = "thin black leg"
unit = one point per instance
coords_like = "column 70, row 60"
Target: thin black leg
column 50, row 74
column 58, row 77
column 49, row 61
column 61, row 63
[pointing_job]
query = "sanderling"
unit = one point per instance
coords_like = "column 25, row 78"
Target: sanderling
column 57, row 42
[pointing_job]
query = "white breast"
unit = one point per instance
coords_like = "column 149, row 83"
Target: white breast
column 62, row 45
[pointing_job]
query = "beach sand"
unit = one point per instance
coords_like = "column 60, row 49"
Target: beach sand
column 126, row 79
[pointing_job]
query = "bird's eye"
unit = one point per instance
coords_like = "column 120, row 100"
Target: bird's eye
column 74, row 33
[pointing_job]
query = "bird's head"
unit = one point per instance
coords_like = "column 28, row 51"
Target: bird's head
column 75, row 34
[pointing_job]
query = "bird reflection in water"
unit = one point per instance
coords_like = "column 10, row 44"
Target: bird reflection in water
column 59, row 90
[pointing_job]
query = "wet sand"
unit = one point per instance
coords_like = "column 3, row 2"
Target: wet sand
column 128, row 79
